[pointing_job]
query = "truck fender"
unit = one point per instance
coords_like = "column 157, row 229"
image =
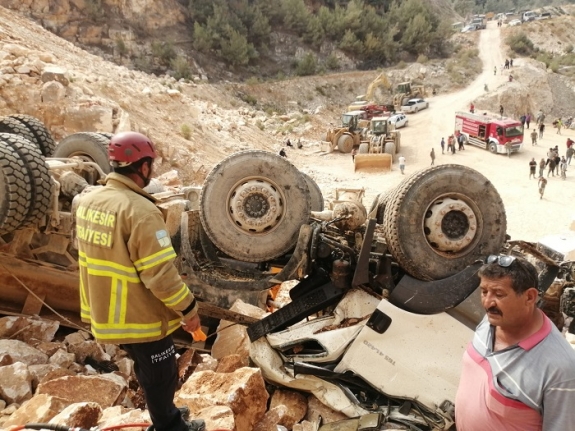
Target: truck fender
column 431, row 297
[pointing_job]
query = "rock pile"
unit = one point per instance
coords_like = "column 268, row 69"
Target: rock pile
column 73, row 381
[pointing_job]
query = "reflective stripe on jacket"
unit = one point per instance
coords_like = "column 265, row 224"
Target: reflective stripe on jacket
column 130, row 290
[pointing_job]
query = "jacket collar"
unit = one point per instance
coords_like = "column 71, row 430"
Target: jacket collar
column 118, row 181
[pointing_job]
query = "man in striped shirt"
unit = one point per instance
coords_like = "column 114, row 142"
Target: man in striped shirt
column 518, row 373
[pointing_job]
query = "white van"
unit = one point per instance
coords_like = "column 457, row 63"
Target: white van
column 529, row 16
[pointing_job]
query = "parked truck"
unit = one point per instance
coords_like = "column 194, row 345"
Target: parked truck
column 489, row 131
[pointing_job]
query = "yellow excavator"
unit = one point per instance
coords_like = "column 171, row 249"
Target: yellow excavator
column 367, row 98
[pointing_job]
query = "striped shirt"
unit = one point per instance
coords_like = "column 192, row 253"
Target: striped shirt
column 525, row 387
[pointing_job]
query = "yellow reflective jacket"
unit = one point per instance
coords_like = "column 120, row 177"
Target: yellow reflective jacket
column 130, row 290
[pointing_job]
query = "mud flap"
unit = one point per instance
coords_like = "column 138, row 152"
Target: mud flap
column 431, row 297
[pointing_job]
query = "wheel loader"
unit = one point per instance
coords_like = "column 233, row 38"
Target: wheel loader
column 353, row 130
column 380, row 149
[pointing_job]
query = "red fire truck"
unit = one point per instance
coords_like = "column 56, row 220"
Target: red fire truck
column 489, row 131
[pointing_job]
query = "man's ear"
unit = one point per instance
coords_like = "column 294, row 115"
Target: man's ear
column 532, row 295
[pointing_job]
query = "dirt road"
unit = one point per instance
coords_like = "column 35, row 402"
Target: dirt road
column 528, row 217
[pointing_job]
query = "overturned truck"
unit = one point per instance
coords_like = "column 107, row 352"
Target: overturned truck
column 383, row 280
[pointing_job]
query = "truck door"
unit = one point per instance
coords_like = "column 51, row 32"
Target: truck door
column 482, row 131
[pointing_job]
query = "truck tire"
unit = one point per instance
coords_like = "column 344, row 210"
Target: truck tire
column 15, row 190
column 442, row 219
column 38, row 174
column 380, row 202
column 253, row 204
column 492, row 146
column 363, row 148
column 317, row 202
column 88, row 146
column 42, row 136
column 15, row 127
column 345, row 143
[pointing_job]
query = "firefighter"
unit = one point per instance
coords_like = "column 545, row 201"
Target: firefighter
column 130, row 291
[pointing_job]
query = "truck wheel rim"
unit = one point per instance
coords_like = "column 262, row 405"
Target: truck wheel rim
column 256, row 205
column 450, row 224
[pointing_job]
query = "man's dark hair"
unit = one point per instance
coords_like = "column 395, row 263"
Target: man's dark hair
column 522, row 273
column 132, row 168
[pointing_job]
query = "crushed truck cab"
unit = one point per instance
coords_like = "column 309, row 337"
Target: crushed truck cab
column 489, row 131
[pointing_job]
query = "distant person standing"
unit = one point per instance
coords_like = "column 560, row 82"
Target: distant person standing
column 569, row 154
column 541, row 130
column 508, row 148
column 541, row 184
column 501, row 110
column 353, row 153
column 563, row 167
column 494, row 70
column 551, row 164
column 559, row 125
column 540, row 117
column 432, row 155
column 442, row 145
column 532, row 167
column 401, row 164
column 528, row 119
column 522, row 119
column 534, row 137
column 541, row 167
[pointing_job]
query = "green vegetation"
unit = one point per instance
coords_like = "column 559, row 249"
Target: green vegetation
column 181, row 68
column 121, row 47
column 371, row 31
column 164, row 52
column 464, row 61
column 186, row 131
column 521, row 44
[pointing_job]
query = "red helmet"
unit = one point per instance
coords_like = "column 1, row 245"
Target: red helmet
column 128, row 147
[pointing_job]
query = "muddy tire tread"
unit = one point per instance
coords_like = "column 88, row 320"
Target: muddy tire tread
column 39, row 175
column 42, row 136
column 15, row 190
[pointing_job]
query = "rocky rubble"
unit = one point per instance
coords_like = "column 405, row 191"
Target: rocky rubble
column 71, row 380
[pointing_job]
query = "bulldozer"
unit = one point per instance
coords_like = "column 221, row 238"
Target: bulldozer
column 378, row 152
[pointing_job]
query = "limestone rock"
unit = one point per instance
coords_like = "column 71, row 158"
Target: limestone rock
column 106, row 390
column 56, row 373
column 243, row 391
column 217, row 417
column 15, row 383
column 76, row 338
column 272, row 418
column 89, row 348
column 208, row 363
column 25, row 328
column 53, row 92
column 119, row 415
column 316, row 409
column 79, row 415
column 296, row 404
column 22, row 352
column 230, row 363
column 55, row 73
column 40, row 409
column 39, row 371
column 49, row 348
column 304, row 426
column 234, row 339
column 62, row 358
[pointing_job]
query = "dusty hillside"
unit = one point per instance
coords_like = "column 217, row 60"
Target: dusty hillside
column 221, row 119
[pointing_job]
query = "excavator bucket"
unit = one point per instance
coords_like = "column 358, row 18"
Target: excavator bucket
column 381, row 161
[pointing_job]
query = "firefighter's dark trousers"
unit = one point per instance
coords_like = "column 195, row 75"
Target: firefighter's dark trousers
column 157, row 373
